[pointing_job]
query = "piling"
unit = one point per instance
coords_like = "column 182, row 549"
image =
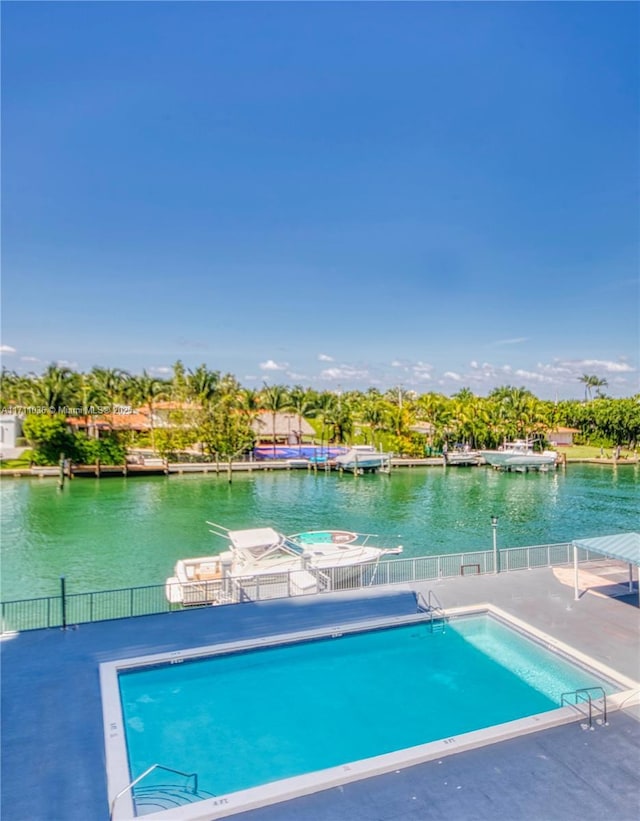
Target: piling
column 61, row 473
column 63, row 602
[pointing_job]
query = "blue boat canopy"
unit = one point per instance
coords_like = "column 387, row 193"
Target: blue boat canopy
column 623, row 546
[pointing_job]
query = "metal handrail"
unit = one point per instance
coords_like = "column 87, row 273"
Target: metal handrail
column 432, row 606
column 436, row 610
column 137, row 780
column 585, row 694
column 432, row 595
column 603, row 696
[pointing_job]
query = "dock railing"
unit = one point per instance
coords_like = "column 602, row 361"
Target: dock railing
column 67, row 609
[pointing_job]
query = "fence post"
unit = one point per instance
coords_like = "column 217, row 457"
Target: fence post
column 63, row 602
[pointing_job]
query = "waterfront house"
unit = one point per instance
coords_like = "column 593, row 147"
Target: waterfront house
column 10, row 430
column 562, row 437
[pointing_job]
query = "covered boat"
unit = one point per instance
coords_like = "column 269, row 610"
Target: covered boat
column 266, row 560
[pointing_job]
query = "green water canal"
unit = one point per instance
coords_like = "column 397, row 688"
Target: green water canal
column 121, row 532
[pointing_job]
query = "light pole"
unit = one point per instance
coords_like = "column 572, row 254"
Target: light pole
column 494, row 526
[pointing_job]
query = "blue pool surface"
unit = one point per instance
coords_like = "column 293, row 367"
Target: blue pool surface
column 244, row 719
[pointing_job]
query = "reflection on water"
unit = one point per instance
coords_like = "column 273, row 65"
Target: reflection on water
column 119, row 532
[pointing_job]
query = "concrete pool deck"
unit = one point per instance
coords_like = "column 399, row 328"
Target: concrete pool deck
column 53, row 759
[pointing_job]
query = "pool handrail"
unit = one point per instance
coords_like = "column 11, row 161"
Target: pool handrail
column 150, row 769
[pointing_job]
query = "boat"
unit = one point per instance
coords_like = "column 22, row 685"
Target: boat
column 519, row 455
column 363, row 458
column 263, row 563
column 461, row 456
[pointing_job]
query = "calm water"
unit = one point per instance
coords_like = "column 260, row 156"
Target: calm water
column 120, row 532
column 186, row 716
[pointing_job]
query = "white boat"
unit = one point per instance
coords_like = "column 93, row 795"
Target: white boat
column 361, row 458
column 262, row 563
column 461, row 456
column 519, row 455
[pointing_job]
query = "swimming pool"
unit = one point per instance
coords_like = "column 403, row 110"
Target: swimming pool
column 249, row 717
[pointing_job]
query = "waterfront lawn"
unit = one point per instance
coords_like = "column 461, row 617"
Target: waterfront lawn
column 594, row 452
column 23, row 461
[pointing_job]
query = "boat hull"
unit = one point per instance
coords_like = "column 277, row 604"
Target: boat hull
column 361, row 464
column 532, row 461
column 462, row 459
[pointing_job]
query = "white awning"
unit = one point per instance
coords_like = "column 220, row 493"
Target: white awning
column 622, row 546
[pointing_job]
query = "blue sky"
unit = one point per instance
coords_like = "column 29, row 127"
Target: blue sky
column 433, row 195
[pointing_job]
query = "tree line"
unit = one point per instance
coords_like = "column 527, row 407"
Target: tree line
column 214, row 412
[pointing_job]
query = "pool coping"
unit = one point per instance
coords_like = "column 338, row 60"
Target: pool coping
column 296, row 786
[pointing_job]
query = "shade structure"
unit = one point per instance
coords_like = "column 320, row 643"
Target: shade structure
column 622, row 546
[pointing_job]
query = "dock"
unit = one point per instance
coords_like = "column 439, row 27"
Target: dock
column 159, row 467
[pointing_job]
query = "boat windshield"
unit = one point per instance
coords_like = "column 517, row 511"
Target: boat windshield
column 296, row 548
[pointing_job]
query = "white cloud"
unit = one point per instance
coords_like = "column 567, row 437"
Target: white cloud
column 532, row 375
column 297, row 377
column 344, row 372
column 7, row 349
column 270, row 365
column 556, row 370
column 452, row 375
column 570, row 368
column 609, row 367
column 324, row 357
column 64, row 363
column 163, row 370
column 422, row 370
column 518, row 340
column 30, row 359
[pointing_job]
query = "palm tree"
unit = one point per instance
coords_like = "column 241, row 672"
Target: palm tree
column 179, row 382
column 513, row 410
column 302, row 404
column 372, row 415
column 201, row 384
column 437, row 410
column 228, row 385
column 591, row 381
column 397, row 422
column 275, row 399
column 56, row 388
column 144, row 391
column 110, row 385
column 324, row 409
column 340, row 420
column 15, row 389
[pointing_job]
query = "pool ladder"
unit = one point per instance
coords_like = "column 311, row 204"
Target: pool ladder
column 583, row 695
column 170, row 791
column 435, row 610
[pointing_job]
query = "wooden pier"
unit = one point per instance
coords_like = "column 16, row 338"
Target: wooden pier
column 161, row 467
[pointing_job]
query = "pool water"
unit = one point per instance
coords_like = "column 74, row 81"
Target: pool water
column 244, row 719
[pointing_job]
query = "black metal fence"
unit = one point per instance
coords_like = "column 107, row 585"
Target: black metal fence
column 78, row 608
